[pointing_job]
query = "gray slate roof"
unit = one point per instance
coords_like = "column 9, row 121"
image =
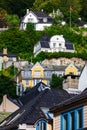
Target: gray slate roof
column 40, row 15
column 69, row 45
column 44, row 42
column 33, row 100
column 8, row 55
column 70, row 101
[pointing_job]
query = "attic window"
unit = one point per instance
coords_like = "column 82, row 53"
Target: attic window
column 37, row 73
column 30, row 19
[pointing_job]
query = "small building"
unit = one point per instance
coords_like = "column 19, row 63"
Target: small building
column 71, row 114
column 56, row 43
column 7, row 59
column 38, row 18
column 5, row 56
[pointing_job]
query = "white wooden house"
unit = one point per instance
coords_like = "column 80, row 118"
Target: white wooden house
column 39, row 19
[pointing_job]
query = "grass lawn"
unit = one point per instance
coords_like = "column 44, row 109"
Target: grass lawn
column 3, row 115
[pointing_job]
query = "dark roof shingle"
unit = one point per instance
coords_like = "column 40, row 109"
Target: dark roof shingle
column 31, row 112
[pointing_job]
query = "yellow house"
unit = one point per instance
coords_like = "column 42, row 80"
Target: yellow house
column 30, row 75
column 72, row 70
column 33, row 76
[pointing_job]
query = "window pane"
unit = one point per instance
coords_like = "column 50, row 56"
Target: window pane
column 79, row 123
column 44, row 127
column 41, row 125
column 65, row 123
column 37, row 73
column 27, row 82
column 72, row 123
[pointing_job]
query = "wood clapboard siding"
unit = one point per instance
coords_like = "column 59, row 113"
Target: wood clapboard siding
column 85, row 115
column 57, row 115
column 56, row 123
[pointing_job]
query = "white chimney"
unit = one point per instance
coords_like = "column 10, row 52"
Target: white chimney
column 27, row 11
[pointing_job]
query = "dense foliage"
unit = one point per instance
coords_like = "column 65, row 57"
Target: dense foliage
column 19, row 7
column 56, row 82
column 7, row 83
column 7, row 86
column 22, row 42
column 44, row 55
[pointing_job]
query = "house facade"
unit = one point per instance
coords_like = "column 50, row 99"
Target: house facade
column 33, row 74
column 30, row 75
column 71, row 114
column 56, row 43
column 39, row 19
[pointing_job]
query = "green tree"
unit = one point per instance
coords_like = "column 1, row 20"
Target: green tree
column 37, row 4
column 7, row 86
column 56, row 82
column 17, row 7
column 66, row 5
column 12, row 20
column 3, row 14
column 83, row 11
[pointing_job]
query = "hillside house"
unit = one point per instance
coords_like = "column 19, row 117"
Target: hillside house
column 56, row 43
column 39, row 19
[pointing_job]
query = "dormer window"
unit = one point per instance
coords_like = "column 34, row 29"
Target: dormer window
column 30, row 19
column 44, row 20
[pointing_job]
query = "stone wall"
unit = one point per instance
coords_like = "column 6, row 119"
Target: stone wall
column 65, row 61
